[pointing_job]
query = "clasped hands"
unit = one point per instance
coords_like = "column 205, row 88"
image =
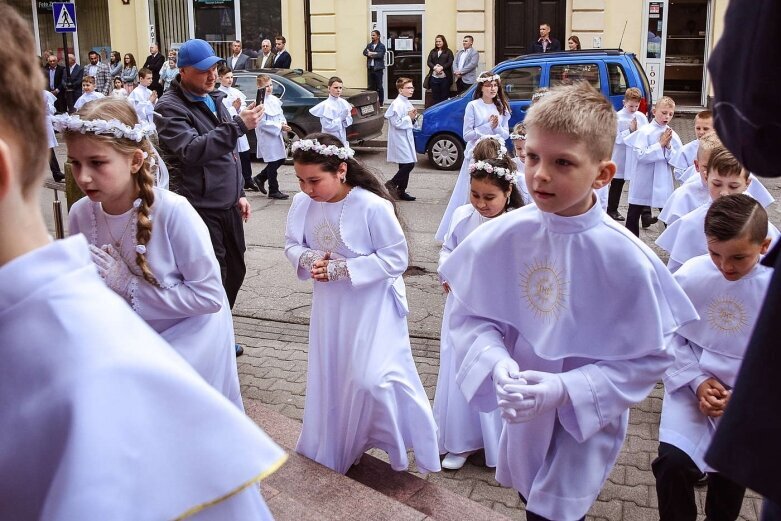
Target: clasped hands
column 112, row 268
column 319, row 269
column 713, row 398
column 524, row 395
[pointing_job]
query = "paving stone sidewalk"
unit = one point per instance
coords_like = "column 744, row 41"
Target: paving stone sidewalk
column 273, row 371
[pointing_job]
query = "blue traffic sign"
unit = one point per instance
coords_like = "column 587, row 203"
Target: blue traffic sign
column 64, row 17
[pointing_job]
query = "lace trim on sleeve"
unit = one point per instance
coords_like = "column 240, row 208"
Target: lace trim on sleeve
column 337, row 270
column 308, row 259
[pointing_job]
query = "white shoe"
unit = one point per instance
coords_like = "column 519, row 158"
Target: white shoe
column 454, row 461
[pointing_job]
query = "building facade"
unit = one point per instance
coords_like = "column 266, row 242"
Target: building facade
column 672, row 38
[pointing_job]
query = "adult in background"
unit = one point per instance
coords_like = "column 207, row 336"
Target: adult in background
column 55, row 81
column 154, row 62
column 440, row 70
column 545, row 43
column 237, row 61
column 169, row 71
column 115, row 65
column 573, row 43
column 375, row 64
column 745, row 446
column 266, row 57
column 98, row 70
column 465, row 65
column 129, row 73
column 282, row 59
column 73, row 81
column 198, row 138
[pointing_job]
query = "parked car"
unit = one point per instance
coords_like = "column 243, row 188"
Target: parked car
column 301, row 90
column 439, row 131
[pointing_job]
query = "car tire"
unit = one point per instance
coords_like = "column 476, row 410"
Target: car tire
column 446, row 152
column 294, row 135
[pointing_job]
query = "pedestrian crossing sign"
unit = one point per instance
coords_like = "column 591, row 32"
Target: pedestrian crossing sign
column 64, row 17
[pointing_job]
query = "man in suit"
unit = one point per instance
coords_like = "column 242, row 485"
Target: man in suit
column 465, row 65
column 266, row 57
column 99, row 70
column 545, row 43
column 154, row 62
column 283, row 59
column 73, row 81
column 375, row 63
column 55, row 81
column 238, row 61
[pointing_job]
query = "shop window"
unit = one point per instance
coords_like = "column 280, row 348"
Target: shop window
column 617, row 79
column 572, row 73
column 520, row 84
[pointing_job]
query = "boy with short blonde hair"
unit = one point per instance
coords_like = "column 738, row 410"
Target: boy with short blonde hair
column 683, row 160
column 532, row 308
column 401, row 116
column 88, row 85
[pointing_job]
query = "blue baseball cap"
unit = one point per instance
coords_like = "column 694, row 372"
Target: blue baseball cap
column 197, row 53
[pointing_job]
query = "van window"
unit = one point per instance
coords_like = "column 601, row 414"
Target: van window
column 520, row 83
column 617, row 79
column 571, row 73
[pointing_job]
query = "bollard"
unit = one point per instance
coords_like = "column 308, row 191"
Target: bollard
column 72, row 191
column 59, row 229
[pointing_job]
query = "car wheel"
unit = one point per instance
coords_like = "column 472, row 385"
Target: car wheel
column 446, row 152
column 294, row 135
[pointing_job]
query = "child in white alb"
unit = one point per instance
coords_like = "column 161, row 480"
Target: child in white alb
column 518, row 137
column 235, row 101
column 727, row 288
column 142, row 98
column 119, row 89
column 566, row 413
column 271, row 142
column 462, row 428
column 88, row 92
column 401, row 116
column 334, row 111
column 683, row 159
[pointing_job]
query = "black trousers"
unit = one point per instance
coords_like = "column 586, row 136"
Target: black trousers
column 375, row 83
column 54, row 165
column 401, row 179
column 676, row 473
column 246, row 165
column 270, row 173
column 633, row 215
column 226, row 230
column 440, row 89
column 614, row 194
column 461, row 86
column 531, row 516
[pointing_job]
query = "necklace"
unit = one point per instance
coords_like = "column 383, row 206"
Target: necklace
column 117, row 242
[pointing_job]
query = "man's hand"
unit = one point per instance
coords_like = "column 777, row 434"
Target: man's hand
column 245, row 208
column 252, row 115
column 713, row 398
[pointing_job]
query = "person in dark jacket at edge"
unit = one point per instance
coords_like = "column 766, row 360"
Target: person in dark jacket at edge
column 198, row 139
column 746, row 444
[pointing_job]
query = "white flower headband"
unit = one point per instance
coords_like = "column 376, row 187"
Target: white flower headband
column 500, row 141
column 114, row 127
column 498, row 171
column 515, row 136
column 495, row 77
column 324, row 150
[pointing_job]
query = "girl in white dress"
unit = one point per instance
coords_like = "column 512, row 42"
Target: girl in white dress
column 119, row 91
column 49, row 99
column 487, row 115
column 149, row 245
column 518, row 137
column 462, row 428
column 334, row 112
column 363, row 390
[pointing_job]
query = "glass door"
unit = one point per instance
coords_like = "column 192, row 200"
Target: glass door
column 403, row 32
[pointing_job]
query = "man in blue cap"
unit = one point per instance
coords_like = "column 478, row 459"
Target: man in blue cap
column 198, row 138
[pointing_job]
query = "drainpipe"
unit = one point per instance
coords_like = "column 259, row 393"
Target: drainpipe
column 308, row 34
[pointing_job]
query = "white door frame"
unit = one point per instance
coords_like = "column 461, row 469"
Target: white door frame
column 381, row 25
column 654, row 67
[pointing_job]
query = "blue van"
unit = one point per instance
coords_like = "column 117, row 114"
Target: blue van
column 438, row 131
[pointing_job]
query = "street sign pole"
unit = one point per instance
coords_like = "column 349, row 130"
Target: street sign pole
column 68, row 87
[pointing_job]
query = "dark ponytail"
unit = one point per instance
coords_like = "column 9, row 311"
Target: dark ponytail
column 514, row 201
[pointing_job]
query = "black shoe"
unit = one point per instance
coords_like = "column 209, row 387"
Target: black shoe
column 404, row 196
column 277, row 195
column 647, row 221
column 260, row 180
column 250, row 186
column 393, row 190
column 239, row 350
column 58, row 176
column 615, row 215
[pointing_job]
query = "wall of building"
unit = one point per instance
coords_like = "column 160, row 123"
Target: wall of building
column 475, row 18
column 129, row 25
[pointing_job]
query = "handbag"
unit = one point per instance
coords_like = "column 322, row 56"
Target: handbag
column 426, row 81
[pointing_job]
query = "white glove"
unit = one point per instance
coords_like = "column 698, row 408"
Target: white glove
column 506, row 373
column 542, row 392
column 112, row 269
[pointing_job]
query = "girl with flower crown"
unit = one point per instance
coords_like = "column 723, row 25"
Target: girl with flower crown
column 488, row 114
column 464, row 430
column 148, row 244
column 363, row 390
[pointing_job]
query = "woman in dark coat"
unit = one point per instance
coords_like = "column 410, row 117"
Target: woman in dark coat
column 440, row 70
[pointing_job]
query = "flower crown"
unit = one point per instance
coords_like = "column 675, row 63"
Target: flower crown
column 500, row 141
column 495, row 77
column 515, row 136
column 113, row 127
column 498, row 171
column 324, row 150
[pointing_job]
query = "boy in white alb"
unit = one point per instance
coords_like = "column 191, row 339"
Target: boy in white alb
column 97, row 436
column 235, row 101
column 727, row 288
column 629, row 120
column 334, row 112
column 270, row 134
column 652, row 148
column 88, row 92
column 401, row 116
column 532, row 307
column 518, row 137
column 684, row 158
column 142, row 98
column 685, row 238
